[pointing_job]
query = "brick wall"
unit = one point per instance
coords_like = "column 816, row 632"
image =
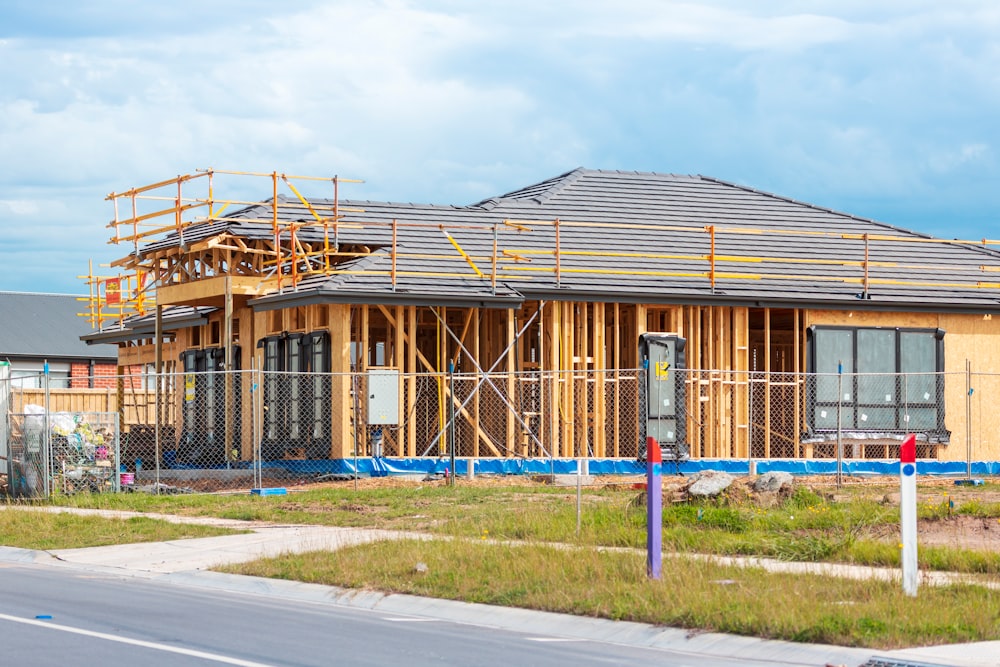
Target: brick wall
column 105, row 375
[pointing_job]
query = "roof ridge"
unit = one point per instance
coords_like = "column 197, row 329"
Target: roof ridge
column 540, row 191
column 886, row 225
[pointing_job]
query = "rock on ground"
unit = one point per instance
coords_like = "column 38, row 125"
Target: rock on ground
column 710, row 483
column 771, row 482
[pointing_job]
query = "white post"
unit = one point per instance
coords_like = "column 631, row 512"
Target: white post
column 908, row 513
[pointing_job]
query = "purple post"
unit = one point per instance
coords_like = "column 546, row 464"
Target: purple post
column 654, row 509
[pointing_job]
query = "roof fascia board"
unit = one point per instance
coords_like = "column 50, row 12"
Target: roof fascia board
column 315, row 297
column 145, row 330
column 569, row 294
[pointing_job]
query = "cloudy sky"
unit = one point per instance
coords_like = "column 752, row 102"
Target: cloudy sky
column 888, row 110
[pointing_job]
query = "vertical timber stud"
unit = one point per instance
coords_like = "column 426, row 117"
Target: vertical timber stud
column 510, row 445
column 708, row 363
column 767, row 383
column 411, row 382
column 616, row 329
column 908, row 512
column 638, row 416
column 247, row 348
column 568, row 348
column 583, row 327
column 476, row 403
column 552, row 414
column 600, row 376
column 229, row 378
column 398, row 360
column 797, row 419
column 158, row 369
column 695, row 430
column 340, row 365
column 741, row 360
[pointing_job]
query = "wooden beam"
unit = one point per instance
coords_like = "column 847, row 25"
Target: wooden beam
column 429, row 367
column 616, row 333
column 342, row 442
column 741, row 361
column 474, row 344
column 802, row 450
column 600, row 381
column 569, row 388
column 247, row 347
column 364, row 342
column 411, row 378
column 767, row 383
column 399, row 360
column 510, row 421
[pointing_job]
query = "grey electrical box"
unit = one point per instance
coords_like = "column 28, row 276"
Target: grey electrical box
column 662, row 355
column 383, row 396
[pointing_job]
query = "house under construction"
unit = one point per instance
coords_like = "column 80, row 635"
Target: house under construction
column 511, row 327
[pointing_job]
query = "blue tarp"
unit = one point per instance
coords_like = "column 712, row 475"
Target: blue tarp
column 384, row 467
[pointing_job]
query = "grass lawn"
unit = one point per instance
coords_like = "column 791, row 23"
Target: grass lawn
column 43, row 530
column 691, row 594
column 855, row 526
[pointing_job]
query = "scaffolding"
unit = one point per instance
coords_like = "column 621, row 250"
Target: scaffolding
column 210, row 240
column 189, row 246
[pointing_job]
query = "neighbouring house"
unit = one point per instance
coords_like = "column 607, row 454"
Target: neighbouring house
column 36, row 329
column 514, row 322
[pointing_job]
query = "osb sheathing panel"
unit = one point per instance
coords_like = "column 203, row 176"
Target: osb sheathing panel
column 973, row 420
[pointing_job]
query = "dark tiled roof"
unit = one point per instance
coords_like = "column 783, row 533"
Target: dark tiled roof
column 46, row 326
column 134, row 326
column 631, row 236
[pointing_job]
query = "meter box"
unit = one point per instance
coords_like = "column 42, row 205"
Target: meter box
column 662, row 355
column 383, row 396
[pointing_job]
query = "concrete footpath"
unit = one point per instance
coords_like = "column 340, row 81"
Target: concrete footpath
column 188, row 562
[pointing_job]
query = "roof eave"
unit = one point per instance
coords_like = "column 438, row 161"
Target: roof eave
column 144, row 330
column 760, row 301
column 321, row 296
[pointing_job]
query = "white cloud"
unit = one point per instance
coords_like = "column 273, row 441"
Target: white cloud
column 450, row 103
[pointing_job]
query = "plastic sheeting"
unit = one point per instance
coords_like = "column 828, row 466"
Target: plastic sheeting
column 385, row 467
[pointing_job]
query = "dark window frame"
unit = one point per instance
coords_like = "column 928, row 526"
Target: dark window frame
column 297, row 393
column 852, row 409
column 203, row 405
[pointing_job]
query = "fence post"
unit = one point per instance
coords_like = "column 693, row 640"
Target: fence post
column 46, row 437
column 256, row 428
column 968, row 419
column 451, row 418
column 751, row 467
column 840, row 442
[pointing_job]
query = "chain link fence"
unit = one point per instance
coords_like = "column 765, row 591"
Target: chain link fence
column 46, row 449
column 217, row 431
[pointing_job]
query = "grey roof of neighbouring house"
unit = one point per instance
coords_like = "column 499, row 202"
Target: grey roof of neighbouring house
column 46, row 326
column 632, row 236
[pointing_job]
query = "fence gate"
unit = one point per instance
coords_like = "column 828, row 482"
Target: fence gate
column 62, row 452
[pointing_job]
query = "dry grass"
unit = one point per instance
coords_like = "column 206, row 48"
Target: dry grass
column 692, row 593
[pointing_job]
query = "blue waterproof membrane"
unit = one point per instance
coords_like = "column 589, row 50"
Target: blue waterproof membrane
column 385, row 467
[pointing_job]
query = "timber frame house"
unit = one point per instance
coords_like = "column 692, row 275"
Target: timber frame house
column 541, row 295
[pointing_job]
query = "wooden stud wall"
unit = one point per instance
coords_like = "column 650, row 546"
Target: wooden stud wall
column 586, row 349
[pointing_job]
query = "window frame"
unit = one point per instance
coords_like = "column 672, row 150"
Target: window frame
column 851, row 410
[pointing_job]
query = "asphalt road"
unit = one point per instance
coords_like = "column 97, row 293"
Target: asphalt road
column 65, row 617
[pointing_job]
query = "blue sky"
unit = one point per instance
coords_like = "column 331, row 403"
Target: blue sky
column 888, row 110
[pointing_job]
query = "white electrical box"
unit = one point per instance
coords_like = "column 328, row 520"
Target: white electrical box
column 383, row 396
